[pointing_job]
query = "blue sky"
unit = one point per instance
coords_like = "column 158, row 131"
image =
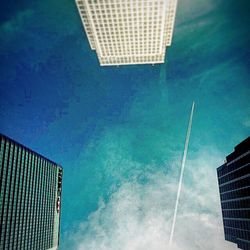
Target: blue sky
column 117, row 129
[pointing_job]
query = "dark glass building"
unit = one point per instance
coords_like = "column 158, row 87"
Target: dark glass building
column 30, row 195
column 234, row 186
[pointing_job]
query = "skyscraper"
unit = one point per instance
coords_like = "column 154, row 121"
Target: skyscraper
column 128, row 31
column 234, row 186
column 30, row 189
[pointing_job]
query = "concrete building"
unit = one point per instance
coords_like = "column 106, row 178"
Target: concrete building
column 128, row 31
column 234, row 186
column 30, row 189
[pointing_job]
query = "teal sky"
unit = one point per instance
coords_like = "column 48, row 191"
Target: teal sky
column 119, row 132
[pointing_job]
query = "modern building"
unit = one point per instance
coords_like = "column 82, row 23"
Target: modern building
column 128, row 31
column 234, row 186
column 30, row 196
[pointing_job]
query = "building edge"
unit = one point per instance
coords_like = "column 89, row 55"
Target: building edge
column 58, row 196
column 241, row 152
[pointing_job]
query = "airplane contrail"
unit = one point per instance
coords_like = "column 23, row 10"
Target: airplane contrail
column 182, row 171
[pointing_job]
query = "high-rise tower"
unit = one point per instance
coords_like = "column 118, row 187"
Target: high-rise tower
column 234, row 185
column 30, row 189
column 128, row 31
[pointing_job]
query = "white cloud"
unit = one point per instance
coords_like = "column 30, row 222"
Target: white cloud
column 246, row 123
column 16, row 23
column 139, row 215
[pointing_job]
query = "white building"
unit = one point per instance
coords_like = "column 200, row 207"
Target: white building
column 128, row 31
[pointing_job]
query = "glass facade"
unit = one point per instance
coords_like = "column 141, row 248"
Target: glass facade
column 30, row 187
column 234, row 186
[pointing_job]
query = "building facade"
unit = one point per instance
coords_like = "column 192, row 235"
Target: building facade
column 234, row 186
column 128, row 31
column 30, row 196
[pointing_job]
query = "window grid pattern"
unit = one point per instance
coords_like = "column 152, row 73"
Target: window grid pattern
column 28, row 198
column 170, row 19
column 128, row 31
column 86, row 24
column 234, row 186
